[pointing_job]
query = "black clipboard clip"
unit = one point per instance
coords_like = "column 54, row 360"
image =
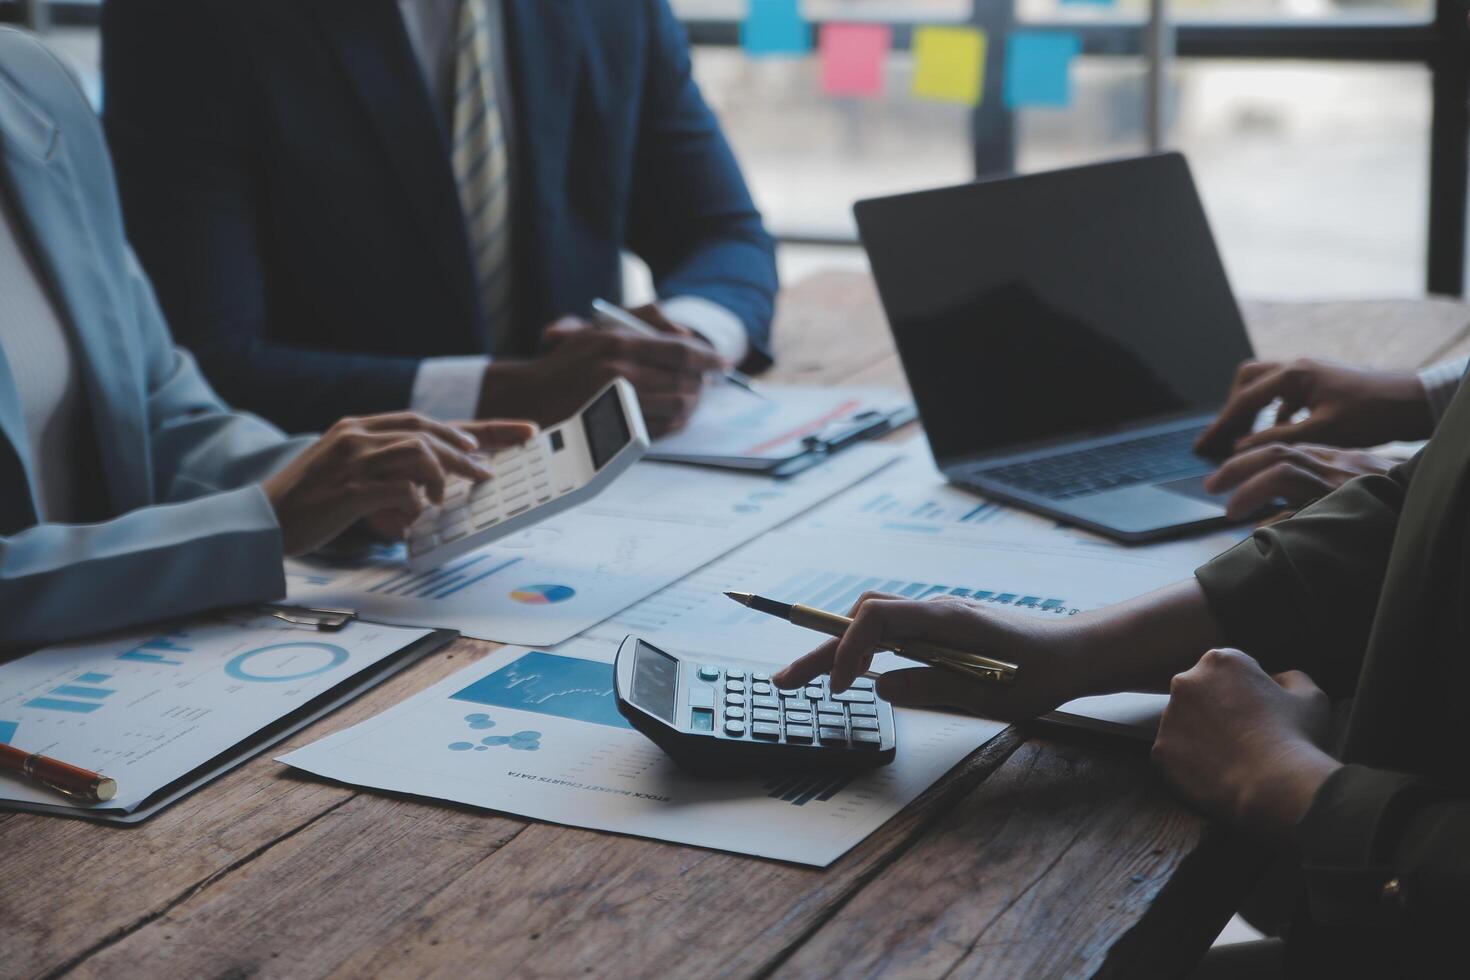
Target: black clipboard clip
column 871, row 423
column 308, row 617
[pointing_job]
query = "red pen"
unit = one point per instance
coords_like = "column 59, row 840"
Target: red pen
column 69, row 780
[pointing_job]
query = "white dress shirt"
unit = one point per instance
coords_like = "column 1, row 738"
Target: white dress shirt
column 39, row 351
column 449, row 387
column 1441, row 381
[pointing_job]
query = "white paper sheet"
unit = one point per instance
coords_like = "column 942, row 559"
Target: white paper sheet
column 906, row 531
column 652, row 527
column 537, row 734
column 732, row 422
column 147, row 708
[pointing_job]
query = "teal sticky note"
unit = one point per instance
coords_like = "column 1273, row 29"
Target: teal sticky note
column 774, row 27
column 1038, row 70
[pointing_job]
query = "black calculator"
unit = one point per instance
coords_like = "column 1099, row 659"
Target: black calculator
column 715, row 717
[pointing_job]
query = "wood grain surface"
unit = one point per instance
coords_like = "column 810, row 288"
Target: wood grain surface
column 1032, row 858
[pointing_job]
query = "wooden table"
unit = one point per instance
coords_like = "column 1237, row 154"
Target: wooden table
column 1043, row 854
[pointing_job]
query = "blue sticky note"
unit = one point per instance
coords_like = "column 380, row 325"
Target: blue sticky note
column 774, row 27
column 1038, row 69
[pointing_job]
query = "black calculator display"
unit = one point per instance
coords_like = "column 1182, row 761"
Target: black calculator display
column 723, row 716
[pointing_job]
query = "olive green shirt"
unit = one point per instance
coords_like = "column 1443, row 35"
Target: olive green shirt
column 1368, row 591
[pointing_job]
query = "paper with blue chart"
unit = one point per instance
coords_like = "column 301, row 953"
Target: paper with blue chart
column 147, row 708
column 656, row 524
column 537, row 734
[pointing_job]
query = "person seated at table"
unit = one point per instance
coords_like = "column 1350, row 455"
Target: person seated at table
column 1363, row 595
column 128, row 491
column 355, row 206
column 1297, row 460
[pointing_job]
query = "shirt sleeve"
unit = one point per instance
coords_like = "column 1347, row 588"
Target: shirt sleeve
column 448, row 388
column 723, row 330
column 1440, row 383
column 1384, row 849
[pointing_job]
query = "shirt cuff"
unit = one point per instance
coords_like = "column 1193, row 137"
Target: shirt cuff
column 1345, row 838
column 1440, row 383
column 448, row 388
column 717, row 325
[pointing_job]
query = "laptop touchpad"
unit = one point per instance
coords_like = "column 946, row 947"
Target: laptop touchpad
column 1144, row 508
column 1194, row 486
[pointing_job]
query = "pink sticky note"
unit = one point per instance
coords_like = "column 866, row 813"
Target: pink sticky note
column 852, row 58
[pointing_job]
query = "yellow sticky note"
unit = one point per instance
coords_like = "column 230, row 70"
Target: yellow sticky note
column 949, row 64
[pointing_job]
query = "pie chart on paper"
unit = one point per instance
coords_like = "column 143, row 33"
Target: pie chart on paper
column 543, row 595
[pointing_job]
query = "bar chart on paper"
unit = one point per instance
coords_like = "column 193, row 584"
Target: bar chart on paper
column 831, row 570
column 552, row 581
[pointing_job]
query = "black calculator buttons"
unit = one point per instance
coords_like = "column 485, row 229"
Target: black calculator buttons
column 736, row 728
column 799, row 733
column 866, row 740
column 734, row 712
column 865, row 697
column 710, row 674
column 864, row 724
column 735, row 700
column 864, row 710
column 766, row 730
column 765, row 702
column 833, row 734
column 798, row 716
column 765, row 714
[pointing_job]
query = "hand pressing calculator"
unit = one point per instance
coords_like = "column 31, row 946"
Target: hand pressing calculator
column 724, row 717
column 562, row 466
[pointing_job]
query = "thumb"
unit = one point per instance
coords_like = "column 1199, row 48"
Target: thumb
column 930, row 687
column 1296, row 683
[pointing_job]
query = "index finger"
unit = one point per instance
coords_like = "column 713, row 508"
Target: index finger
column 807, row 668
column 1240, row 411
column 676, row 354
column 414, row 422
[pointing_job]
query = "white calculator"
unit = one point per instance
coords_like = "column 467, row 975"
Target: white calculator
column 562, row 466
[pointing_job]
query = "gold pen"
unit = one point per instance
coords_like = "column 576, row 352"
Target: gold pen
column 973, row 665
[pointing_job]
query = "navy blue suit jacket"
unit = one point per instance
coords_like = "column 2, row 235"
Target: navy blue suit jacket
column 286, row 183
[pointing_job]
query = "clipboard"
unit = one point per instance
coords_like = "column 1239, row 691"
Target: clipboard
column 793, row 429
column 263, row 739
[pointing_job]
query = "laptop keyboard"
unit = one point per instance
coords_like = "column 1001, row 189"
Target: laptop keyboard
column 1150, row 459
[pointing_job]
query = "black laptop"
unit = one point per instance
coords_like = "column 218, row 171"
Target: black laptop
column 1067, row 336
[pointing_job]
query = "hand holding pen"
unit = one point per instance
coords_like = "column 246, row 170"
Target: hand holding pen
column 1046, row 656
column 607, row 314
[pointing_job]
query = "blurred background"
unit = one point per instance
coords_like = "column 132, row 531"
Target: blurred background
column 1308, row 123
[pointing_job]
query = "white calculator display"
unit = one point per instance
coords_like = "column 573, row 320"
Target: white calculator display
column 562, row 466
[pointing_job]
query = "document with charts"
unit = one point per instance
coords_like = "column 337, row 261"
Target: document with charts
column 655, row 525
column 537, row 734
column 148, row 708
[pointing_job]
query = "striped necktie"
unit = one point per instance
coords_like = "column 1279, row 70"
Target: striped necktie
column 481, row 168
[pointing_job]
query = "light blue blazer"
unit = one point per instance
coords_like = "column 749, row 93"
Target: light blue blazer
column 189, row 527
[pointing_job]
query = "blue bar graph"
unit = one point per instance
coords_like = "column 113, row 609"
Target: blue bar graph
column 7, row 731
column 143, row 656
column 446, row 593
column 54, row 704
column 77, row 691
column 94, row 678
column 836, row 593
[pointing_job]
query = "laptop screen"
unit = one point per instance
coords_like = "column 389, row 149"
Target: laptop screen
column 1032, row 308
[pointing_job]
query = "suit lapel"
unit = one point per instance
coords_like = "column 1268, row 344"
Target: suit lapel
column 545, row 43
column 56, row 225
column 370, row 42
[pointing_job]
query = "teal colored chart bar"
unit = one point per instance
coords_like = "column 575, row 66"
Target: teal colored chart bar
column 52, row 704
column 77, row 691
column 94, row 678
